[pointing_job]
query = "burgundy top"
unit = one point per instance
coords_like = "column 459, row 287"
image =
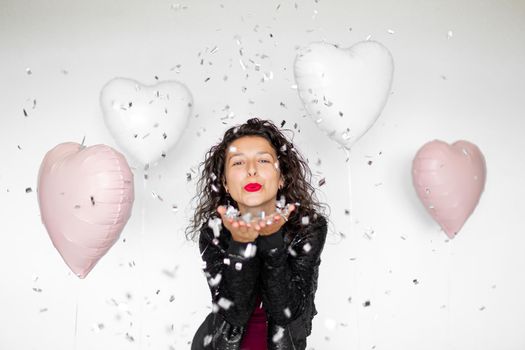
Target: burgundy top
column 256, row 329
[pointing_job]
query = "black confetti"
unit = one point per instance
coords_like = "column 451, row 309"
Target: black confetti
column 29, row 190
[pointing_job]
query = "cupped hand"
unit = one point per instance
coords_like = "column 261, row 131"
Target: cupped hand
column 277, row 221
column 242, row 231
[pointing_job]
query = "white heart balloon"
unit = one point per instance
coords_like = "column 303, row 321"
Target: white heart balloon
column 344, row 90
column 146, row 121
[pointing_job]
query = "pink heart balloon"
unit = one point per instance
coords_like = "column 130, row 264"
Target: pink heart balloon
column 449, row 180
column 85, row 197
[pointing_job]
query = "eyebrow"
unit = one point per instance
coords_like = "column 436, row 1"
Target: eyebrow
column 230, row 156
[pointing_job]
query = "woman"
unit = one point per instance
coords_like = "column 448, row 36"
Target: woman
column 261, row 256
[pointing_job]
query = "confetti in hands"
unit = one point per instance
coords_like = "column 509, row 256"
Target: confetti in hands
column 245, row 229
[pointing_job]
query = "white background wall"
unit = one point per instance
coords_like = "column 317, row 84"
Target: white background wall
column 459, row 74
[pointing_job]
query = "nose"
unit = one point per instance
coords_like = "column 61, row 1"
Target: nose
column 251, row 169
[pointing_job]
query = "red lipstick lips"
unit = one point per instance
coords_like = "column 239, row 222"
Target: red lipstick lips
column 253, row 187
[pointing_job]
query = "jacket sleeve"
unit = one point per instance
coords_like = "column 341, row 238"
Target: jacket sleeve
column 289, row 276
column 231, row 270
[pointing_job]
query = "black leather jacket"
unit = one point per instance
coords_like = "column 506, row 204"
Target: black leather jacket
column 284, row 271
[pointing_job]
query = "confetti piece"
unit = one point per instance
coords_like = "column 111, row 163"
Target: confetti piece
column 287, row 312
column 238, row 266
column 207, row 340
column 215, row 281
column 278, row 334
column 322, row 182
column 172, row 273
column 305, row 220
column 247, row 217
column 450, row 34
column 415, row 281
column 366, row 303
column 38, row 290
column 28, row 71
column 292, row 252
column 307, row 247
column 29, row 190
column 390, row 31
column 172, row 298
column 214, row 308
column 97, row 327
column 250, row 250
column 225, row 303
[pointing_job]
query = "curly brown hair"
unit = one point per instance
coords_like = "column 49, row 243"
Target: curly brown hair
column 295, row 170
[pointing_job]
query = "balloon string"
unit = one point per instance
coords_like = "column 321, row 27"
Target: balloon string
column 351, row 211
column 449, row 286
column 76, row 312
column 142, row 257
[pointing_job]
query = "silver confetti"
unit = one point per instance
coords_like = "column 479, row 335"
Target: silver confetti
column 292, row 252
column 231, row 212
column 247, row 217
column 250, row 250
column 225, row 303
column 215, row 224
column 207, row 339
column 278, row 335
column 238, row 266
column 215, row 281
column 281, row 202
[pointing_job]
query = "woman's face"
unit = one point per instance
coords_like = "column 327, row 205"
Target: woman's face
column 252, row 160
